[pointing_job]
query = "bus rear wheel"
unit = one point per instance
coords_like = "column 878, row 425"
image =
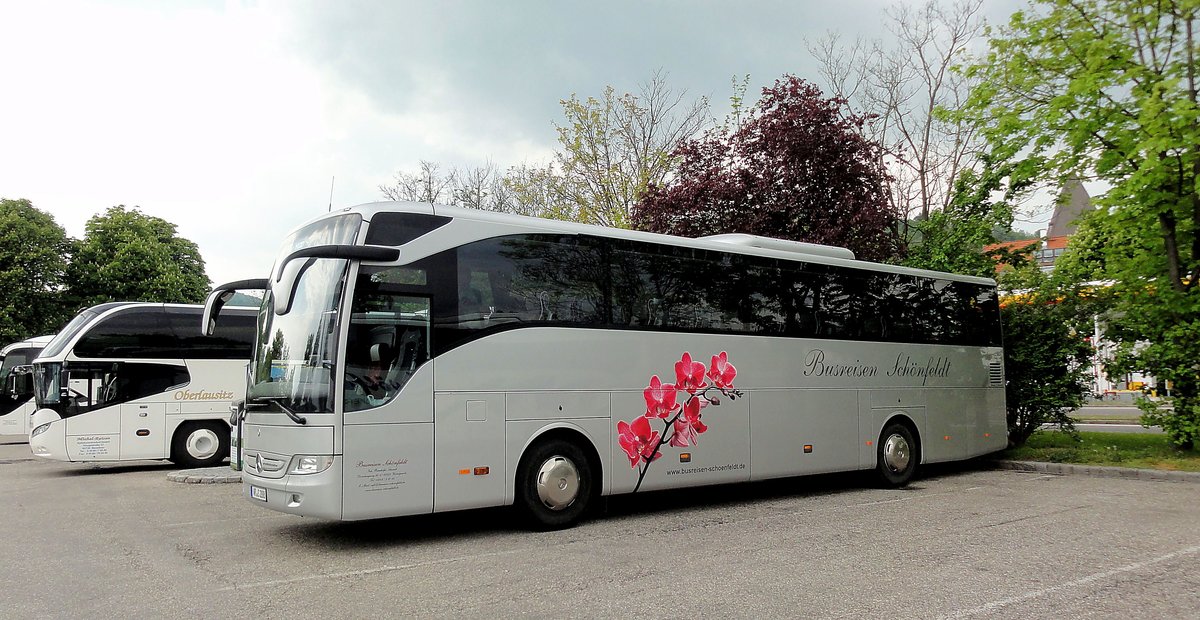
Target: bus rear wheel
column 200, row 444
column 896, row 455
column 555, row 485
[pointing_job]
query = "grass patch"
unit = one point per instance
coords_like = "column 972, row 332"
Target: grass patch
column 1139, row 450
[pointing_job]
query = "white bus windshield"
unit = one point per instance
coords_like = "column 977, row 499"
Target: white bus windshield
column 293, row 362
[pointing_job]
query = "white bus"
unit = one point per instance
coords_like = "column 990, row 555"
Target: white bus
column 415, row 359
column 16, row 383
column 126, row 380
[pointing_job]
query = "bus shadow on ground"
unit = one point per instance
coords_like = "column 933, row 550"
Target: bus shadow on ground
column 489, row 522
column 99, row 469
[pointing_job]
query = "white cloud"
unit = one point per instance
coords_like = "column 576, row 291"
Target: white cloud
column 229, row 119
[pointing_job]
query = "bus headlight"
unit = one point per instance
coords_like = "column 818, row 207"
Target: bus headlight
column 309, row 464
column 39, row 430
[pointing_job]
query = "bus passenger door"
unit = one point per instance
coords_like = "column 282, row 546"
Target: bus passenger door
column 142, row 430
column 387, row 407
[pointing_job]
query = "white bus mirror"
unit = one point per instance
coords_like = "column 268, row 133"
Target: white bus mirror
column 220, row 296
column 25, row 369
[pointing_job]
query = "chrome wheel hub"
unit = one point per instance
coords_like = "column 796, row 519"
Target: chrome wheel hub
column 557, row 483
column 896, row 453
column 202, row 443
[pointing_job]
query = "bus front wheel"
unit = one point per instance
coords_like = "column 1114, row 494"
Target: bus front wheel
column 200, row 444
column 896, row 455
column 555, row 484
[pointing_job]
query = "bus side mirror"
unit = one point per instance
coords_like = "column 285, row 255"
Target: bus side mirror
column 220, row 296
column 12, row 382
column 285, row 280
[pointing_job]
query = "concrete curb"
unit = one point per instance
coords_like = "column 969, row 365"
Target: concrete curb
column 206, row 475
column 1100, row 471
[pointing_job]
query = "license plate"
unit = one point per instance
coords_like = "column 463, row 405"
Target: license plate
column 258, row 493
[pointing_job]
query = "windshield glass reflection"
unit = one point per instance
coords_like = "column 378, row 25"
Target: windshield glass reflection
column 295, row 352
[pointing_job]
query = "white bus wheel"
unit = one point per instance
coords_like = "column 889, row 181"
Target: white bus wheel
column 897, row 455
column 200, row 444
column 555, row 484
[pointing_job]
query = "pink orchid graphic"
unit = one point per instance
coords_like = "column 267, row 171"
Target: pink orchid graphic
column 721, row 373
column 682, row 424
column 688, row 425
column 689, row 375
column 660, row 398
column 638, row 441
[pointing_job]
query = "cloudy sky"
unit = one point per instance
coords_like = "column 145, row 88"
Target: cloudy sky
column 230, row 119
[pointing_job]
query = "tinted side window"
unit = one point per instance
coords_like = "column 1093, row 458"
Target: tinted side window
column 388, row 340
column 96, row 385
column 232, row 339
column 529, row 279
column 135, row 381
column 981, row 310
column 535, row 280
column 761, row 295
column 670, row 287
column 169, row 333
column 521, row 280
column 129, row 334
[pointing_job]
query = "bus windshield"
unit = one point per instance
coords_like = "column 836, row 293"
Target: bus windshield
column 68, row 333
column 294, row 357
column 47, row 379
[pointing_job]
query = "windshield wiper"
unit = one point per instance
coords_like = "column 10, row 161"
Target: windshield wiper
column 278, row 400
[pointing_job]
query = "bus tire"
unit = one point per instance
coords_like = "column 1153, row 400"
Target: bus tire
column 555, row 484
column 203, row 443
column 896, row 455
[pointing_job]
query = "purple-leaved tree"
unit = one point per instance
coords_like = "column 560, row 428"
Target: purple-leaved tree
column 796, row 167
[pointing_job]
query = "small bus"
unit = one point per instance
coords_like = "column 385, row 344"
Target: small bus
column 414, row 358
column 16, row 381
column 134, row 380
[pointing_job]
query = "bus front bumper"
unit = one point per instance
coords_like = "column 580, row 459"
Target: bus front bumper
column 306, row 495
column 48, row 435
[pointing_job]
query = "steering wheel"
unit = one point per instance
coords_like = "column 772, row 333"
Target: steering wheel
column 367, row 387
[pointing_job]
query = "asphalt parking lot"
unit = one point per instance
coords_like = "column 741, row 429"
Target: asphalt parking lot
column 100, row 541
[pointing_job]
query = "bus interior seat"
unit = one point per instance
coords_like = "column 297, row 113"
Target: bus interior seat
column 410, row 357
column 382, row 356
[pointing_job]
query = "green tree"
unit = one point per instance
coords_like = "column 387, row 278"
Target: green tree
column 33, row 258
column 127, row 255
column 1108, row 89
column 1046, row 357
column 953, row 238
column 612, row 149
